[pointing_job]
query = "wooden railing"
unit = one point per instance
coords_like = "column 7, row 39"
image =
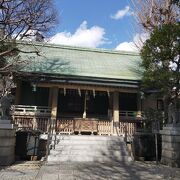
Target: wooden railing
column 131, row 114
column 42, row 123
column 69, row 126
column 101, row 127
column 24, row 122
column 32, row 117
column 36, row 117
column 65, row 126
column 130, row 127
column 22, row 110
column 30, row 122
column 105, row 127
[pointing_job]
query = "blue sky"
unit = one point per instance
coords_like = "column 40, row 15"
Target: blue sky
column 95, row 23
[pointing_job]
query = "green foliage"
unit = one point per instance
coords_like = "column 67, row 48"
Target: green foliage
column 161, row 59
column 154, row 119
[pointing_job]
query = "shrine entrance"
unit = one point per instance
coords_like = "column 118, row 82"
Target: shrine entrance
column 82, row 104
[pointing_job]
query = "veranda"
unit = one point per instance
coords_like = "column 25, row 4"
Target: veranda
column 77, row 109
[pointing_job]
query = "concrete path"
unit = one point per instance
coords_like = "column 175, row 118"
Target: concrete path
column 107, row 171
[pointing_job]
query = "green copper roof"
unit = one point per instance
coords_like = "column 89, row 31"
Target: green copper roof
column 76, row 61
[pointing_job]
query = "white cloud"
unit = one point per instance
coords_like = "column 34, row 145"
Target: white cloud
column 92, row 37
column 127, row 46
column 121, row 13
column 134, row 45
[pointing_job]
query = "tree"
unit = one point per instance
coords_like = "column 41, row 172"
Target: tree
column 155, row 17
column 19, row 20
column 161, row 62
column 153, row 13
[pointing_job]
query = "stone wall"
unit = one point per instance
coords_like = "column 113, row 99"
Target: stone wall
column 7, row 146
column 171, row 146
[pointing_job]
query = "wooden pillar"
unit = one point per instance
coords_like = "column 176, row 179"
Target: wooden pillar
column 110, row 112
column 115, row 112
column 54, row 102
column 139, row 105
column 110, row 108
column 18, row 93
column 85, row 105
column 50, row 97
column 35, row 120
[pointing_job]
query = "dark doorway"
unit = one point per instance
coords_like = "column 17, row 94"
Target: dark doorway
column 97, row 104
column 39, row 97
column 70, row 103
column 128, row 102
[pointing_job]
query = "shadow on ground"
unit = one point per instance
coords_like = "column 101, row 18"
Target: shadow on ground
column 25, row 170
column 107, row 171
column 113, row 166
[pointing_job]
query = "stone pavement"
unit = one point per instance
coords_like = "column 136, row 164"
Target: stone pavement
column 23, row 170
column 89, row 171
column 107, row 171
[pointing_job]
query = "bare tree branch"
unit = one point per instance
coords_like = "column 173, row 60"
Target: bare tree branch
column 153, row 13
column 18, row 19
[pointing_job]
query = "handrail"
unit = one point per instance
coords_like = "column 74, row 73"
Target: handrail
column 48, row 138
column 127, row 136
column 51, row 137
column 136, row 114
column 31, row 106
column 44, row 110
column 30, row 110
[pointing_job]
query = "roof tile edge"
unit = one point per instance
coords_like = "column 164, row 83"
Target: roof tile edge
column 99, row 50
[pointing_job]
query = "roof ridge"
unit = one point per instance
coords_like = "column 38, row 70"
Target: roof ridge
column 98, row 50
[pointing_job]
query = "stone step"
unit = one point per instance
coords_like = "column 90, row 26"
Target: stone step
column 60, row 138
column 108, row 143
column 89, row 153
column 91, row 137
column 89, row 147
column 74, row 158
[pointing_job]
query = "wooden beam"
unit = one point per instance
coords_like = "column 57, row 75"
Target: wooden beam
column 88, row 87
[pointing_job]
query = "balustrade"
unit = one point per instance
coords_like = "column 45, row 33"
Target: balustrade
column 36, row 117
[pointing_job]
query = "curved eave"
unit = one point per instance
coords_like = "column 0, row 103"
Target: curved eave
column 69, row 79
